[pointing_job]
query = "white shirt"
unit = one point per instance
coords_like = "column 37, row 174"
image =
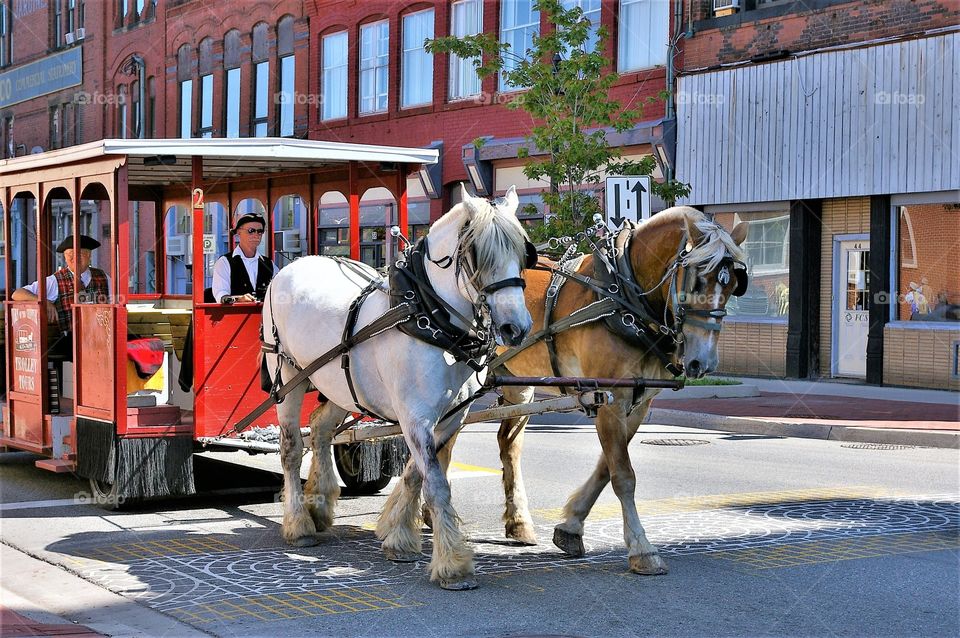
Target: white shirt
column 53, row 290
column 221, row 273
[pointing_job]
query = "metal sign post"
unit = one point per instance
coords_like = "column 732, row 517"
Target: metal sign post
column 627, row 199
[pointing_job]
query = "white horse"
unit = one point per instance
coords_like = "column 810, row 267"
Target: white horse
column 474, row 256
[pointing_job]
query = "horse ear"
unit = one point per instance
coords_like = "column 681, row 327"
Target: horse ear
column 693, row 233
column 740, row 232
column 512, row 201
column 467, row 201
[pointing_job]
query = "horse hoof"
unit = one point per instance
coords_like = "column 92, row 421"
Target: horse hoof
column 648, row 564
column 305, row 541
column 398, row 556
column 523, row 534
column 569, row 544
column 459, row 585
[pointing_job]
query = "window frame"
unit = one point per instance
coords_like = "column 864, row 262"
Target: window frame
column 343, row 68
column 186, row 97
column 256, row 121
column 509, row 64
column 421, row 48
column 458, row 64
column 6, row 33
column 896, row 202
column 285, row 102
column 232, row 100
column 375, row 68
column 622, row 32
column 205, row 111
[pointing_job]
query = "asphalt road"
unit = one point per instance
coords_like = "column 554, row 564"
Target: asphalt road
column 763, row 536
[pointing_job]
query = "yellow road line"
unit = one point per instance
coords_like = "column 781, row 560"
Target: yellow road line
column 473, row 468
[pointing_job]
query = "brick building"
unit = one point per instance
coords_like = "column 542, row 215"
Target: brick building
column 832, row 126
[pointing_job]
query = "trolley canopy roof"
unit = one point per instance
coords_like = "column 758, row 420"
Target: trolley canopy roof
column 166, row 161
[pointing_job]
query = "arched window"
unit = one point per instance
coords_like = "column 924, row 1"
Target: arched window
column 260, row 53
column 233, row 82
column 205, row 68
column 287, row 66
column 185, row 81
column 123, row 130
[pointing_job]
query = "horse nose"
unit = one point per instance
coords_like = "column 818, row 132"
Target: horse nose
column 694, row 370
column 512, row 334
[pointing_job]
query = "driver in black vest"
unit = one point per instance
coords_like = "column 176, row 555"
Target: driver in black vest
column 244, row 274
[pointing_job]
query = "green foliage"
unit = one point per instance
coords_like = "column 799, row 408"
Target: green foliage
column 568, row 97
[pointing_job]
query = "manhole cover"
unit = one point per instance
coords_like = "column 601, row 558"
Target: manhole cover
column 675, row 442
column 877, row 446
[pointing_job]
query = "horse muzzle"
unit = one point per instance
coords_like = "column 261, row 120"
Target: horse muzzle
column 511, row 334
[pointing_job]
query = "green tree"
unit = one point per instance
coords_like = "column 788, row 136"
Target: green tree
column 565, row 88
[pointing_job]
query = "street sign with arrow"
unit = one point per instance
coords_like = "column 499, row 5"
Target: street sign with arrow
column 627, row 198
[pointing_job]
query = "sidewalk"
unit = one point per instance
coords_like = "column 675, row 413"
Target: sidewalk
column 41, row 599
column 819, row 410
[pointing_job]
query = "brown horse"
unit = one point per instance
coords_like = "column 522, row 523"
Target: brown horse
column 707, row 265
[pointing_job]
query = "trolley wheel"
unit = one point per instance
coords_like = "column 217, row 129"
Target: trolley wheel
column 347, row 458
column 105, row 495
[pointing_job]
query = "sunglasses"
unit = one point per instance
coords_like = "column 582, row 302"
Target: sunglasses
column 253, row 231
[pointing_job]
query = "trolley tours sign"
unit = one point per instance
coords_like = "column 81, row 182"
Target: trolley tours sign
column 25, row 329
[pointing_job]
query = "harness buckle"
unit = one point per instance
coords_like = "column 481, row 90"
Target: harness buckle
column 613, row 289
column 628, row 319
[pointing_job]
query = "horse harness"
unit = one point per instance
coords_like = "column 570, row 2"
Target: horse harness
column 623, row 305
column 415, row 309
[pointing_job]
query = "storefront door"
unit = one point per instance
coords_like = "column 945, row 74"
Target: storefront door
column 851, row 306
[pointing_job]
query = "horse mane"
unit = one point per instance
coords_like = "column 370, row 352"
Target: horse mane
column 493, row 235
column 714, row 246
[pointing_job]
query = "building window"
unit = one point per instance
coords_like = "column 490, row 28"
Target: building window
column 55, row 140
column 122, row 104
column 417, row 69
column 137, row 127
column 69, row 124
column 186, row 110
column 466, row 18
column 71, row 9
column 374, row 44
column 57, row 23
column 9, row 148
column 767, row 249
column 233, row 103
column 121, row 11
column 261, row 92
column 6, row 31
column 206, row 105
column 139, row 7
column 643, row 30
column 519, row 23
column 927, row 273
column 151, row 128
column 334, row 76
column 591, row 12
column 81, row 13
column 287, row 78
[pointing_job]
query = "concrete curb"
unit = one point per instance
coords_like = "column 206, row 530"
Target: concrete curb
column 804, row 430
column 49, row 593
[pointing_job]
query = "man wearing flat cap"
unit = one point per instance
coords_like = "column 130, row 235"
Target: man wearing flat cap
column 244, row 274
column 60, row 286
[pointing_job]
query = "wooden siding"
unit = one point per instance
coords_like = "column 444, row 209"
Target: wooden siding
column 874, row 120
column 754, row 349
column 919, row 357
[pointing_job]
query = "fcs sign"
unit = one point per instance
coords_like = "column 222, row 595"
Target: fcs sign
column 627, row 199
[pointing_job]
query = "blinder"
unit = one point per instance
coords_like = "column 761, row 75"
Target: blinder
column 531, row 255
column 743, row 280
